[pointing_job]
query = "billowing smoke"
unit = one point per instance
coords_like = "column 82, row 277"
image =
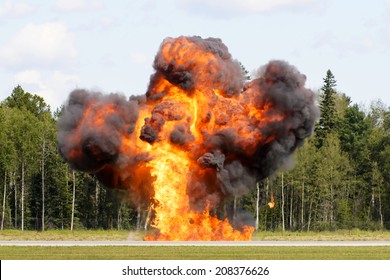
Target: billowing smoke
column 228, row 134
column 90, row 140
column 91, row 132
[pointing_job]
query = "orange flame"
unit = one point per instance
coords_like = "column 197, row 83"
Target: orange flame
column 271, row 204
column 197, row 118
column 173, row 215
column 171, row 166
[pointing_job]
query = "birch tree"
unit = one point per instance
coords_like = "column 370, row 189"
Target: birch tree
column 73, row 199
column 7, row 156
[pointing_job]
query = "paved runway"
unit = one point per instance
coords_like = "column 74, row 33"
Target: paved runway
column 194, row 243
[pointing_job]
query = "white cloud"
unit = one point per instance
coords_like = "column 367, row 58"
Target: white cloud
column 11, row 8
column 52, row 86
column 32, row 78
column 39, row 45
column 78, row 5
column 220, row 7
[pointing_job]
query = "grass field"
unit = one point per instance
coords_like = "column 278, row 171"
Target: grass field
column 77, row 235
column 193, row 253
column 340, row 235
column 114, row 235
column 190, row 252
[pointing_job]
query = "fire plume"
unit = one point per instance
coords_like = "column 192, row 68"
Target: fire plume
column 271, row 204
column 198, row 136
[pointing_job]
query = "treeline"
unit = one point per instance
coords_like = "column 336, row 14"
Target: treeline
column 341, row 178
column 38, row 189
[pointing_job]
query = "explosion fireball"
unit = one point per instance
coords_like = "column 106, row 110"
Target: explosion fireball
column 197, row 136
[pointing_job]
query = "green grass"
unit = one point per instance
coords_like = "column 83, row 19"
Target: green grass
column 114, row 235
column 77, row 235
column 339, row 235
column 192, row 253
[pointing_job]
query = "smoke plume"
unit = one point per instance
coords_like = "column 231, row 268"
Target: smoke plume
column 199, row 123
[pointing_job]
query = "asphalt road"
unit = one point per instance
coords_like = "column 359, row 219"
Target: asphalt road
column 194, row 243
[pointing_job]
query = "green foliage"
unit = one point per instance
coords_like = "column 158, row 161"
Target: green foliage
column 341, row 179
column 353, row 130
column 8, row 150
column 28, row 138
column 328, row 119
column 25, row 100
column 342, row 176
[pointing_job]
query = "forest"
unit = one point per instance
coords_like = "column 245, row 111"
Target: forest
column 340, row 178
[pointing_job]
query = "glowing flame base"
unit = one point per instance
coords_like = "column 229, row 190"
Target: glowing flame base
column 173, row 217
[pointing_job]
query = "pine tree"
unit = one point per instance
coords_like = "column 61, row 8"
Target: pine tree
column 328, row 118
column 245, row 73
column 31, row 102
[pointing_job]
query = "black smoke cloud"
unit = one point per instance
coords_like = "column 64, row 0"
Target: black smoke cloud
column 91, row 141
column 282, row 86
column 224, row 165
column 218, row 72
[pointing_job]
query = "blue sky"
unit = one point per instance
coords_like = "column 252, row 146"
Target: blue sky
column 52, row 47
